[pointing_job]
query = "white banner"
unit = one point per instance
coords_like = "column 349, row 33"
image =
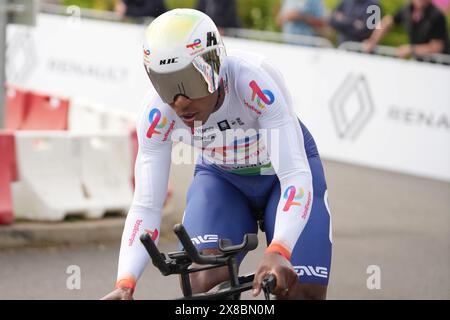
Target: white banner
column 374, row 111
column 93, row 60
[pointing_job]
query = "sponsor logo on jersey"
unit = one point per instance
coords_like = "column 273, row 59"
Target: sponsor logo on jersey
column 237, row 121
column 205, row 138
column 223, row 125
column 202, row 130
column 312, row 271
column 292, row 197
column 307, row 206
column 134, row 232
column 207, row 238
column 166, row 135
column 261, row 97
column 252, row 107
column 248, row 146
column 157, row 122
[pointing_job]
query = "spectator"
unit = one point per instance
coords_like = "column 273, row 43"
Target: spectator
column 51, row 2
column 444, row 5
column 426, row 27
column 222, row 12
column 301, row 17
column 350, row 20
column 140, row 8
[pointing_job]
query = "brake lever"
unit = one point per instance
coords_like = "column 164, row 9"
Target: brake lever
column 155, row 254
column 268, row 285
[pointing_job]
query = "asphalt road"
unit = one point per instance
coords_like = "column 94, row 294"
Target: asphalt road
column 399, row 223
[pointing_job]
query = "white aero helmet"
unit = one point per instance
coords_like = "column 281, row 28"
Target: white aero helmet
column 183, row 52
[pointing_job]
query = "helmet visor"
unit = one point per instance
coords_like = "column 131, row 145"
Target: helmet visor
column 197, row 80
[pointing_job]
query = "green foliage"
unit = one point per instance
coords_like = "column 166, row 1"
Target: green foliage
column 172, row 4
column 92, row 4
column 260, row 15
column 397, row 35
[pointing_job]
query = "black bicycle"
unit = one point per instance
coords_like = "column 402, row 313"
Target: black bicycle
column 180, row 262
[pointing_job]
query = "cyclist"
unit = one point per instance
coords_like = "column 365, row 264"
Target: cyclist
column 256, row 156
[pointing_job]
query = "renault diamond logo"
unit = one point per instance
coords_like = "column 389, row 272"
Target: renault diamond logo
column 351, row 106
column 21, row 59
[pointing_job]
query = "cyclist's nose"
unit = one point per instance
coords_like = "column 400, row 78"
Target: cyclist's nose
column 181, row 103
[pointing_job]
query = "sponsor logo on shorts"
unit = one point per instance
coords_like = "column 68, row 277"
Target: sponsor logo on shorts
column 312, row 271
column 207, row 238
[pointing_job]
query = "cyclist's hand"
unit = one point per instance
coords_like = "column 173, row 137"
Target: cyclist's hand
column 281, row 268
column 119, row 294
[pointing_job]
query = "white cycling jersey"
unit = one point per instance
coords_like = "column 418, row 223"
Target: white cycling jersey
column 267, row 139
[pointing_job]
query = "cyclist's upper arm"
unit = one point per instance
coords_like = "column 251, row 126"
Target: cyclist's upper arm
column 154, row 154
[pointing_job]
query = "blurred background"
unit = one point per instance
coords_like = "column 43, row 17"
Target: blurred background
column 262, row 14
column 369, row 78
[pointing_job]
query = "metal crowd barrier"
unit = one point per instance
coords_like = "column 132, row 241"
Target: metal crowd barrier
column 279, row 37
column 391, row 52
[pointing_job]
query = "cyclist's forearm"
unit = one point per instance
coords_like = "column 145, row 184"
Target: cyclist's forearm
column 151, row 176
column 290, row 222
column 294, row 207
column 292, row 215
column 133, row 257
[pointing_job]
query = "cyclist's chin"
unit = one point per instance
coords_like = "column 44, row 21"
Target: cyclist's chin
column 201, row 118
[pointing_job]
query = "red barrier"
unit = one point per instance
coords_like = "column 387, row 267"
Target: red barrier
column 8, row 174
column 15, row 107
column 45, row 112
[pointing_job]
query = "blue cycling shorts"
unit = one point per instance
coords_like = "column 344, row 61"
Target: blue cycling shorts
column 221, row 204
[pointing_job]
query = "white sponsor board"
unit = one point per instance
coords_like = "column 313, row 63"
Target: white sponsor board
column 369, row 110
column 92, row 60
column 374, row 111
